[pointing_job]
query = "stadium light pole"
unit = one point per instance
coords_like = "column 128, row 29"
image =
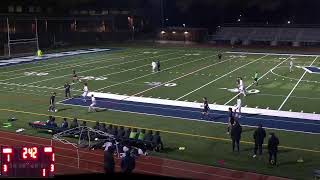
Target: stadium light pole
column 8, row 29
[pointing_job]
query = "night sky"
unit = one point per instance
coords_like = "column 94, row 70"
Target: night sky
column 206, row 13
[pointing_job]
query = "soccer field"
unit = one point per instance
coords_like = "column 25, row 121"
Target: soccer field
column 187, row 75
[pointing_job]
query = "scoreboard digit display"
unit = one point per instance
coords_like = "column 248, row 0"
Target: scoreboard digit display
column 27, row 161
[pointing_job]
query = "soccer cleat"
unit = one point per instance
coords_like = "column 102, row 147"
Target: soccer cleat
column 254, row 156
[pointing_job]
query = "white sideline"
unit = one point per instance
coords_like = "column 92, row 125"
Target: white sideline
column 265, row 112
column 295, row 86
column 283, row 54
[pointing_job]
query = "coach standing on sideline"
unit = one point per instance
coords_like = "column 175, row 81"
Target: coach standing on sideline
column 273, row 148
column 236, row 131
column 128, row 163
column 258, row 136
column 109, row 163
column 67, row 92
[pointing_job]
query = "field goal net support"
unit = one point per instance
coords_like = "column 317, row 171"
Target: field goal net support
column 73, row 144
column 21, row 44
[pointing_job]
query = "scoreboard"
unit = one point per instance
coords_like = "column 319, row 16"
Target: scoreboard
column 27, row 161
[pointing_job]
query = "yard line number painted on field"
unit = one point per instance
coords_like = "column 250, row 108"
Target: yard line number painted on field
column 35, row 73
column 160, row 83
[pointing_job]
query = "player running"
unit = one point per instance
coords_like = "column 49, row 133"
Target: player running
column 93, row 103
column 158, row 66
column 74, row 76
column 256, row 78
column 52, row 106
column 291, row 65
column 205, row 111
column 238, row 106
column 241, row 87
column 219, row 56
column 85, row 92
column 154, row 66
column 67, row 91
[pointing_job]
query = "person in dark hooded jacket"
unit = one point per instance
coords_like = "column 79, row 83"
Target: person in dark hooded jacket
column 128, row 163
column 109, row 163
column 236, row 131
column 259, row 135
column 273, row 148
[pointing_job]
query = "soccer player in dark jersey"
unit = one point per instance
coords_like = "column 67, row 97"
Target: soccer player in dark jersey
column 74, row 76
column 230, row 120
column 158, row 65
column 67, row 92
column 52, row 106
column 205, row 111
column 219, row 56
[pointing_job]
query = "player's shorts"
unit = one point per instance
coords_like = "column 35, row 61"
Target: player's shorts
column 93, row 104
column 205, row 110
column 85, row 94
column 241, row 88
column 255, row 79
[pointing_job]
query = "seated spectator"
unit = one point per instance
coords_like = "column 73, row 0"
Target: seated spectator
column 52, row 122
column 49, row 120
column 65, row 124
column 103, row 127
column 97, row 126
column 141, row 134
column 127, row 133
column 157, row 141
column 133, row 134
column 114, row 130
column 84, row 123
column 148, row 136
column 121, row 132
column 74, row 123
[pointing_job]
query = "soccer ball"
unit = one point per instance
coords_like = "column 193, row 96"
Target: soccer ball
column 56, row 110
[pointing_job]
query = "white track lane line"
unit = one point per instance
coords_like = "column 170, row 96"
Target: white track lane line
column 58, row 77
column 258, row 79
column 219, row 78
column 295, row 86
column 153, row 73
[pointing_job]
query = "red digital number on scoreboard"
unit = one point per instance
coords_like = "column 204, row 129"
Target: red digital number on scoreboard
column 29, row 153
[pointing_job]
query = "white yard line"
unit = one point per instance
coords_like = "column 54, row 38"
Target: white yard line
column 295, row 86
column 79, row 65
column 234, row 97
column 220, row 78
column 153, row 73
column 58, row 77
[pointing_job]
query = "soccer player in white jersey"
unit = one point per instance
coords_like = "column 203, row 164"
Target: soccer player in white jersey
column 93, row 103
column 291, row 65
column 154, row 66
column 85, row 92
column 238, row 107
column 241, row 87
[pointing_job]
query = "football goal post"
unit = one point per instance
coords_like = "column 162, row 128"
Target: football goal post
column 22, row 37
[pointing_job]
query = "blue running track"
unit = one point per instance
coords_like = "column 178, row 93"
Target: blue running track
column 270, row 122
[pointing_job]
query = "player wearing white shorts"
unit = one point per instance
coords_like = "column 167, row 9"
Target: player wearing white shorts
column 238, row 107
column 291, row 65
column 93, row 103
column 154, row 66
column 85, row 92
column 241, row 87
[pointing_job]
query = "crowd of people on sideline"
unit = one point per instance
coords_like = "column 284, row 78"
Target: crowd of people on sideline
column 235, row 130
